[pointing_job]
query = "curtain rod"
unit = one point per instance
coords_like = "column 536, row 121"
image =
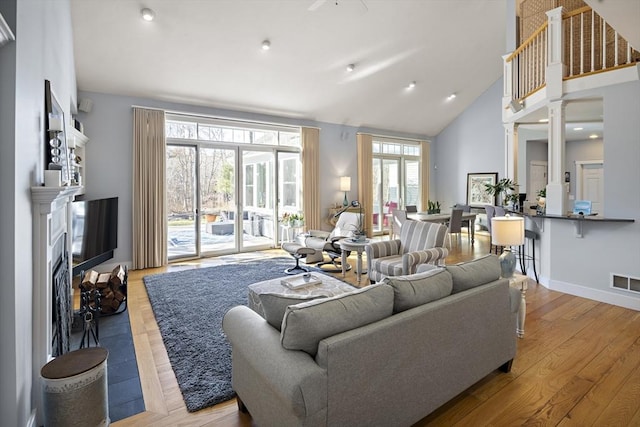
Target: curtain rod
column 148, row 108
column 395, row 137
column 183, row 113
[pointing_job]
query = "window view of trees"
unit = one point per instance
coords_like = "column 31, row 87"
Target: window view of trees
column 180, row 182
column 202, row 160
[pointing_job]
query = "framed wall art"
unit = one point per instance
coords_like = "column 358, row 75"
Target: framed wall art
column 56, row 150
column 477, row 194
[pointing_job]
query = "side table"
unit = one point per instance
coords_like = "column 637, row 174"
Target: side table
column 520, row 282
column 351, row 245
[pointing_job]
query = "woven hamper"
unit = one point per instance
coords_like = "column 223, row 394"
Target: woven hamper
column 74, row 389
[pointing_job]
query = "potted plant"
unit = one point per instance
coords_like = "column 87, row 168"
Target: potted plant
column 542, row 201
column 433, row 207
column 503, row 186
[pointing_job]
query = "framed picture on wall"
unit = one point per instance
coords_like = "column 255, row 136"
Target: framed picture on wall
column 477, row 194
column 56, row 150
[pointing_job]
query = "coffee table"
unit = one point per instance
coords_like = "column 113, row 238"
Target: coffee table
column 329, row 287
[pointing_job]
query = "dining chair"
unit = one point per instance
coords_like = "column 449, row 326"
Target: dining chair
column 465, row 209
column 491, row 211
column 411, row 208
column 398, row 217
column 455, row 226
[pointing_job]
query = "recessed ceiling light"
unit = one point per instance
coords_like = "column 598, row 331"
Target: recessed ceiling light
column 450, row 97
column 593, row 136
column 411, row 85
column 578, row 128
column 266, row 45
column 543, row 120
column 351, row 67
column 147, row 14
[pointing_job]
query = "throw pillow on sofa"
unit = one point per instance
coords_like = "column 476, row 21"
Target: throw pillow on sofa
column 275, row 306
column 306, row 324
column 420, row 288
column 467, row 275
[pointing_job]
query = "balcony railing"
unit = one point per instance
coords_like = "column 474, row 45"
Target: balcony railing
column 589, row 45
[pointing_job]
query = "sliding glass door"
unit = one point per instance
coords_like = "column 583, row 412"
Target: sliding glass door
column 258, row 222
column 396, row 179
column 228, row 183
column 217, row 189
column 181, row 201
column 386, row 191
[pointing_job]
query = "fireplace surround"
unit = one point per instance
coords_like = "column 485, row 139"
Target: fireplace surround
column 51, row 211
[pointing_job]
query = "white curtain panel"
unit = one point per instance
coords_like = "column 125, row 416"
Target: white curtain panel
column 424, row 163
column 365, row 172
column 311, row 208
column 149, row 189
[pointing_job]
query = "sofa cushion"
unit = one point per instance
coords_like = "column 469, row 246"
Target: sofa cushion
column 419, row 288
column 467, row 275
column 275, row 305
column 306, row 324
column 388, row 266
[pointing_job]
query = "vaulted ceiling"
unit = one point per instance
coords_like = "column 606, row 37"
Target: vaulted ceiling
column 209, row 53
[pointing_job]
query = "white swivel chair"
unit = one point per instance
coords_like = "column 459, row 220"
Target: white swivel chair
column 327, row 242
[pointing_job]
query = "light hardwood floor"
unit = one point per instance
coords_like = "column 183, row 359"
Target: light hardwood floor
column 578, row 365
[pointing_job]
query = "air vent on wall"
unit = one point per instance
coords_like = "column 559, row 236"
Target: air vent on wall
column 625, row 283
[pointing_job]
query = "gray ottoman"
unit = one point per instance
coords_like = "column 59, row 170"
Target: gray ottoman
column 328, row 288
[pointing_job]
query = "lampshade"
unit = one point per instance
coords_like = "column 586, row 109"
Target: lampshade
column 345, row 183
column 507, row 230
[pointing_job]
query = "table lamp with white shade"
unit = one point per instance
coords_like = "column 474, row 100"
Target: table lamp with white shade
column 345, row 185
column 507, row 231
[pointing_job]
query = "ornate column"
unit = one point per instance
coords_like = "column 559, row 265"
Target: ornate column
column 511, row 151
column 556, row 188
column 555, row 46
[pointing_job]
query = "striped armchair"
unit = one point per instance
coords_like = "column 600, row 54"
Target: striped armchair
column 419, row 243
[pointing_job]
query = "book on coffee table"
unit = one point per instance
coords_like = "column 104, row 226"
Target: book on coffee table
column 300, row 281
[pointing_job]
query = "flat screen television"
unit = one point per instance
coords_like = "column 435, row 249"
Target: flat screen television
column 94, row 232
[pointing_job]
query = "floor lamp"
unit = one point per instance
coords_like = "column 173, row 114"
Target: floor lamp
column 507, row 231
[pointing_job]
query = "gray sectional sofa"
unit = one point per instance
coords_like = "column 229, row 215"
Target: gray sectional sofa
column 385, row 355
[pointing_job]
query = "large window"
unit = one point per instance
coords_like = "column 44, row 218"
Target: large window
column 396, row 178
column 230, row 182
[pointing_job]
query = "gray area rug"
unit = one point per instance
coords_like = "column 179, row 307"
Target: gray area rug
column 189, row 306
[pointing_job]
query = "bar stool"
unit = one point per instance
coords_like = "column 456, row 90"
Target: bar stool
column 531, row 234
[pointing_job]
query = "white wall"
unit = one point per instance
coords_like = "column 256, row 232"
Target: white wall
column 582, row 266
column 42, row 50
column 473, row 142
column 10, row 384
column 109, row 127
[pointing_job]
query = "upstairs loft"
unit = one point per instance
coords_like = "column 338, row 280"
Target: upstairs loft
column 570, row 52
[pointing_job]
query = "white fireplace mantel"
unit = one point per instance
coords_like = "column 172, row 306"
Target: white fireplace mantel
column 51, row 210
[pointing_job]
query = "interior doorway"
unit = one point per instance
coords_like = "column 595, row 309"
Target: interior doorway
column 537, row 178
column 590, row 184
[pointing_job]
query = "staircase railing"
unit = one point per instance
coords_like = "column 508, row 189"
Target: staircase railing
column 590, row 45
column 528, row 64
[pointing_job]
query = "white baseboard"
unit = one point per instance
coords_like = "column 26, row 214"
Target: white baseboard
column 608, row 297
